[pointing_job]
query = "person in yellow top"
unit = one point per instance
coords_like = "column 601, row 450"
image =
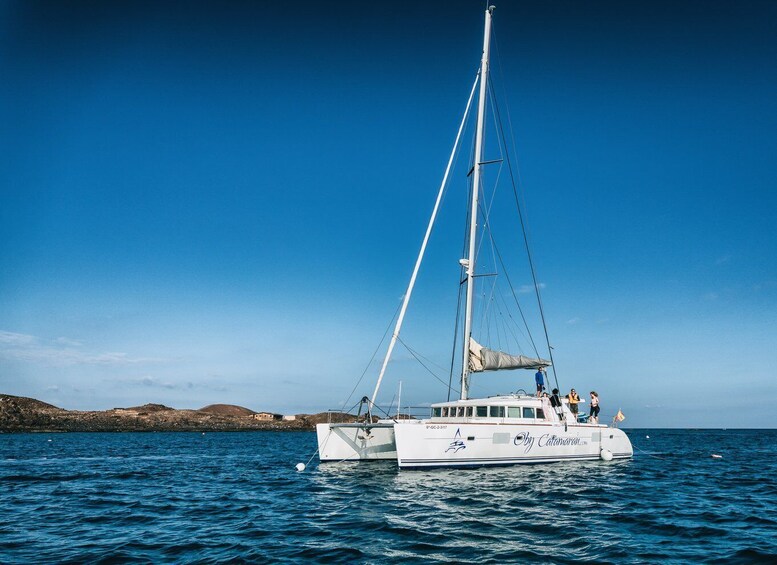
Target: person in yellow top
column 574, row 399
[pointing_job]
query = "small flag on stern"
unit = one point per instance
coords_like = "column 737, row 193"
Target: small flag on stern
column 619, row 417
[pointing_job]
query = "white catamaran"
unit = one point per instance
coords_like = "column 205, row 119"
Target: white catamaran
column 499, row 430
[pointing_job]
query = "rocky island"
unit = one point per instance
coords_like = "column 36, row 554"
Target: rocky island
column 20, row 414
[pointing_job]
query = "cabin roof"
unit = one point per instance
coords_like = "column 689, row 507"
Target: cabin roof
column 502, row 400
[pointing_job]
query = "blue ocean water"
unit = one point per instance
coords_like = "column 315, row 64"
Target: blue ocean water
column 185, row 497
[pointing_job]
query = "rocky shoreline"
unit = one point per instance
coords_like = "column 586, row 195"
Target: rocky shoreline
column 20, row 414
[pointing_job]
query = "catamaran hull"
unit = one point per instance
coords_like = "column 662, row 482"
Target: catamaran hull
column 428, row 444
column 356, row 442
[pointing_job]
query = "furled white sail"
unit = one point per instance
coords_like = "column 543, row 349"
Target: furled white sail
column 484, row 359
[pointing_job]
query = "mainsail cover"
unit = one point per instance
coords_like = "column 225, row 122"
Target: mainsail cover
column 484, row 359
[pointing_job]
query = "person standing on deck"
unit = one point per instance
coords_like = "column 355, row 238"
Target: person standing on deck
column 594, row 416
column 574, row 399
column 555, row 402
column 540, row 380
column 547, row 409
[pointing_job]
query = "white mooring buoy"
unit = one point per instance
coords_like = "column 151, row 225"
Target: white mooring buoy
column 606, row 455
column 300, row 466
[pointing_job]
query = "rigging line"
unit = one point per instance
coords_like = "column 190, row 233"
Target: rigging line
column 427, row 235
column 455, row 339
column 374, row 353
column 506, row 155
column 503, row 152
column 320, row 449
column 489, row 316
column 418, row 358
column 492, row 101
column 424, row 357
column 503, row 326
column 486, row 304
column 391, row 405
column 509, row 327
column 387, row 414
column 462, row 276
column 510, row 128
column 483, row 308
column 500, row 324
column 528, row 253
column 460, row 286
column 515, row 296
column 352, row 407
column 485, row 212
column 457, row 149
column 647, row 453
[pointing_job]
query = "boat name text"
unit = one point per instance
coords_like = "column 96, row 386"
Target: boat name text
column 527, row 441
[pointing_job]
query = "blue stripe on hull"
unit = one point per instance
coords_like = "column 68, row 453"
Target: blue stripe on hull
column 498, row 461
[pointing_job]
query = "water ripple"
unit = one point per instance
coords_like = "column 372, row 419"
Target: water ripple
column 235, row 497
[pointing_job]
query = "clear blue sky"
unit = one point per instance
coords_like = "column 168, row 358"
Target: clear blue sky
column 222, row 201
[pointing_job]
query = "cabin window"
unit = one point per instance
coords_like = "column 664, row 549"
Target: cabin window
column 540, row 413
column 469, row 412
column 445, row 412
column 497, row 411
column 482, row 411
column 528, row 412
column 436, row 412
column 460, row 412
column 513, row 411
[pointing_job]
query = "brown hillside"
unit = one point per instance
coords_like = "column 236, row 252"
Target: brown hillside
column 150, row 408
column 21, row 414
column 328, row 417
column 226, row 410
column 24, row 403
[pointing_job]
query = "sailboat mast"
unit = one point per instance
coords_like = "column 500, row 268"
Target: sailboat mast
column 470, row 264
